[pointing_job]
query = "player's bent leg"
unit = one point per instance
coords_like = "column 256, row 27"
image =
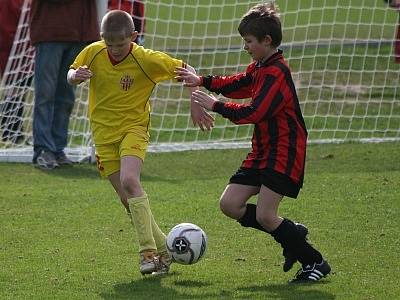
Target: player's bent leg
column 164, row 260
column 149, row 259
column 267, row 215
column 290, row 258
column 130, row 180
column 141, row 219
column 124, row 176
column 131, row 167
column 115, row 182
column 233, row 199
column 288, row 235
column 267, row 209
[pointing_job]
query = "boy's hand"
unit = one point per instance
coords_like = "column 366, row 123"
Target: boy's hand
column 189, row 78
column 205, row 100
column 82, row 73
column 200, row 117
column 77, row 76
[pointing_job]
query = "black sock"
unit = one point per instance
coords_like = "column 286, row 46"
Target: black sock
column 289, row 237
column 249, row 218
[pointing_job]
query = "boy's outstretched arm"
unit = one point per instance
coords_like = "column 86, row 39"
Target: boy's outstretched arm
column 188, row 76
column 205, row 100
column 77, row 76
column 199, row 116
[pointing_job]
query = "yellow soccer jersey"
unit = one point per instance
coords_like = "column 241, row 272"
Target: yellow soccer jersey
column 119, row 94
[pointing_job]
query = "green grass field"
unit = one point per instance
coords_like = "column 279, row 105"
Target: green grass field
column 65, row 236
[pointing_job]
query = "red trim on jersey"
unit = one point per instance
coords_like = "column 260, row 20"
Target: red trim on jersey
column 115, row 62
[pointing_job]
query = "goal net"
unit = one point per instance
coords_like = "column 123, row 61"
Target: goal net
column 341, row 54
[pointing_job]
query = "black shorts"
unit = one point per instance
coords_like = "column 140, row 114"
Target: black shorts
column 279, row 183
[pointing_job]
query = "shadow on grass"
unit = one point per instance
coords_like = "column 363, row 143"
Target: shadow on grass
column 288, row 291
column 74, row 172
column 152, row 288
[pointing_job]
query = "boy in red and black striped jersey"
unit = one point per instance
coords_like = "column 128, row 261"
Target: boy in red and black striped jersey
column 275, row 166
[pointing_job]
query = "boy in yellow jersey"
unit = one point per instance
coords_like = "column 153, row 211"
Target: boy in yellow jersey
column 122, row 77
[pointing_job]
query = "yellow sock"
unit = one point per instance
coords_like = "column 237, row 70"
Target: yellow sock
column 141, row 217
column 159, row 236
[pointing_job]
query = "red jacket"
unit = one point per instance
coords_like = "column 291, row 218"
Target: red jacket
column 64, row 21
column 10, row 11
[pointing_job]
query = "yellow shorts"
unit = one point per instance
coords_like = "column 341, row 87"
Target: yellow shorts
column 108, row 157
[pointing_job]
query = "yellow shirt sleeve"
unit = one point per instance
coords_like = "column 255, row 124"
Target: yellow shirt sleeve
column 81, row 60
column 159, row 66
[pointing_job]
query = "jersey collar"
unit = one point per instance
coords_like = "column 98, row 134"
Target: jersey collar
column 113, row 61
column 274, row 57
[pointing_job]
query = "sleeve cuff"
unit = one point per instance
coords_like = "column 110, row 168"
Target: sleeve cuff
column 218, row 106
column 206, row 82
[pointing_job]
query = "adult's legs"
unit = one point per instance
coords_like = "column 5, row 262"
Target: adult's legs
column 47, row 65
column 64, row 97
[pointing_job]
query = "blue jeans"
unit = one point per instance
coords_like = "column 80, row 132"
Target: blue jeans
column 54, row 97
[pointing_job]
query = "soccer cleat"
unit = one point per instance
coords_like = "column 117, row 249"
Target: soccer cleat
column 148, row 262
column 46, row 160
column 290, row 259
column 312, row 273
column 63, row 160
column 164, row 261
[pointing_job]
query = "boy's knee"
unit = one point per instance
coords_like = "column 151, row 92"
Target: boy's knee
column 229, row 209
column 130, row 185
column 267, row 221
column 223, row 205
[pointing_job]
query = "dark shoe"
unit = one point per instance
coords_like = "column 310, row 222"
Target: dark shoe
column 290, row 259
column 63, row 160
column 46, row 160
column 312, row 273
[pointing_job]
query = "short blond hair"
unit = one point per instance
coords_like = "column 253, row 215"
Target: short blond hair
column 117, row 23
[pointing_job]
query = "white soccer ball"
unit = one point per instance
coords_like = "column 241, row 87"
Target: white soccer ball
column 186, row 243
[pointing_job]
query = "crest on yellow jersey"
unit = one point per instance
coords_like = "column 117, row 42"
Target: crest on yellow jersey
column 126, row 82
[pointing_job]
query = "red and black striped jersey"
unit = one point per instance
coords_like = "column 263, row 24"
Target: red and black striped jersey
column 280, row 135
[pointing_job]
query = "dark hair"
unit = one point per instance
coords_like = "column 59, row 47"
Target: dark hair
column 117, row 22
column 262, row 20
